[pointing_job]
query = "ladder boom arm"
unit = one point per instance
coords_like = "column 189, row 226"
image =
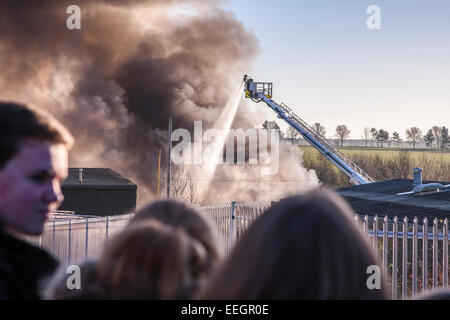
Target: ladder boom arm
column 263, row 92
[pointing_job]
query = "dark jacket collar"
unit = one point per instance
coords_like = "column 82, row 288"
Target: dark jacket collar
column 23, row 266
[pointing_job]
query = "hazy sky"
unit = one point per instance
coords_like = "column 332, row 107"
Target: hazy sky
column 330, row 68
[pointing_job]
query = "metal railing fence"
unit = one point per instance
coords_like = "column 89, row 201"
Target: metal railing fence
column 231, row 221
column 414, row 254
column 76, row 240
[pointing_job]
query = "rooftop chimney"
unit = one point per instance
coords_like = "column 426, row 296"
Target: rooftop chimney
column 80, row 175
column 417, row 176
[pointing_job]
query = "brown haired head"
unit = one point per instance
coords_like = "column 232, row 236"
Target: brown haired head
column 179, row 215
column 150, row 260
column 19, row 123
column 304, row 247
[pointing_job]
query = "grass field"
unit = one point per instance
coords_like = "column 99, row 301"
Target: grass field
column 380, row 164
column 417, row 154
column 385, row 151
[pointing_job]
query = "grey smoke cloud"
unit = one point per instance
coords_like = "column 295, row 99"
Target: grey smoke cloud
column 116, row 81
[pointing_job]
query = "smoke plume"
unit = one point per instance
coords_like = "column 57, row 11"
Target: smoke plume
column 116, row 81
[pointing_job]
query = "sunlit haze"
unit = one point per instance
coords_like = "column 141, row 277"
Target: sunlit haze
column 330, row 68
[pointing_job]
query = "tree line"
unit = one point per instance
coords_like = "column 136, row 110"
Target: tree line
column 436, row 136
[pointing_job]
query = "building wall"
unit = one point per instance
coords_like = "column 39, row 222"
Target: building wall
column 99, row 202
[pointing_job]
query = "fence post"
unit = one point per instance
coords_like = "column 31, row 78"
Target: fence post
column 445, row 253
column 385, row 244
column 425, row 255
column 405, row 259
column 394, row 258
column 414, row 257
column 366, row 225
column 435, row 253
column 375, row 234
column 232, row 231
column 69, row 246
column 53, row 237
column 107, row 229
column 87, row 238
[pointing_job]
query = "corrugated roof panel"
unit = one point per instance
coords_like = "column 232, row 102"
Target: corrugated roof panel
column 380, row 198
column 96, row 177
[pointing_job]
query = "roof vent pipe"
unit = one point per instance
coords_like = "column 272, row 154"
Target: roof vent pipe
column 80, row 175
column 417, row 176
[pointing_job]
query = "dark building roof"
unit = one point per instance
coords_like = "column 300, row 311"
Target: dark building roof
column 382, row 199
column 103, row 192
column 97, row 178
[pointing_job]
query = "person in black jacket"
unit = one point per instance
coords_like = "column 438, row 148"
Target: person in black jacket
column 33, row 161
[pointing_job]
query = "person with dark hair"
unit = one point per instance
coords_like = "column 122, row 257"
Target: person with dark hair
column 151, row 260
column 33, row 161
column 304, row 247
column 177, row 214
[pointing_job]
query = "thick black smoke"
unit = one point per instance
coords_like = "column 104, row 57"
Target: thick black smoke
column 133, row 64
column 116, row 81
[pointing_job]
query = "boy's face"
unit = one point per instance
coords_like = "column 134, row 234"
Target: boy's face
column 30, row 186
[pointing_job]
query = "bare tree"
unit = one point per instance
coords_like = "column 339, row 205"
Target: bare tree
column 414, row 134
column 396, row 138
column 342, row 132
column 292, row 134
column 429, row 138
column 194, row 196
column 366, row 134
column 445, row 138
column 270, row 125
column 320, row 129
column 437, row 133
column 382, row 136
column 374, row 134
column 182, row 186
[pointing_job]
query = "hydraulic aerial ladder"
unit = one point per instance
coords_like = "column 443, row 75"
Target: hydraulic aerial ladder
column 262, row 91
